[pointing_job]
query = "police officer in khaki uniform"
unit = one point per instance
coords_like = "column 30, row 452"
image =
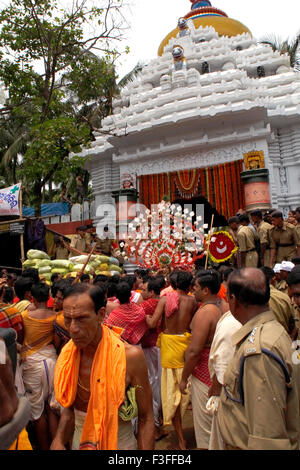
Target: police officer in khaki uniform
column 59, row 248
column 246, row 242
column 263, row 229
column 297, row 216
column 79, row 243
column 285, row 242
column 280, row 303
column 293, row 282
column 89, row 233
column 285, row 268
column 259, row 403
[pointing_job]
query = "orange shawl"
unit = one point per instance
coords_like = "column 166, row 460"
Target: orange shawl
column 107, row 382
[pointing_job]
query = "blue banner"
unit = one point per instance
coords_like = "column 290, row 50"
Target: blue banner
column 47, row 210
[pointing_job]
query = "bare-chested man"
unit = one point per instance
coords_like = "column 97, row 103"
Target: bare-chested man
column 203, row 326
column 176, row 309
column 93, row 373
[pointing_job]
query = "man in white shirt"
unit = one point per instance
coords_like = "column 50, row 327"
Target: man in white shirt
column 221, row 353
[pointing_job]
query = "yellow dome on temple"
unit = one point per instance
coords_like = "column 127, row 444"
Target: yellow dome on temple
column 203, row 14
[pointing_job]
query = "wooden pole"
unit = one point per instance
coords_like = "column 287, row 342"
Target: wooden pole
column 210, row 233
column 22, row 235
column 79, row 274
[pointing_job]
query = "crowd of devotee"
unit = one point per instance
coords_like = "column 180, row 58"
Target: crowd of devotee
column 111, row 362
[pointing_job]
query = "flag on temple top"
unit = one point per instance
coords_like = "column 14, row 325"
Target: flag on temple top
column 9, row 200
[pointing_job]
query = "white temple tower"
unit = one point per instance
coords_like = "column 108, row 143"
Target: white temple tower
column 215, row 117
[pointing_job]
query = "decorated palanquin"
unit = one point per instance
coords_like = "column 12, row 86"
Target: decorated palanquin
column 221, row 185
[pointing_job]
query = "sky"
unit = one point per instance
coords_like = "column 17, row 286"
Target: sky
column 150, row 21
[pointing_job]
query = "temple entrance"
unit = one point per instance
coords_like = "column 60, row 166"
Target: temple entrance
column 219, row 188
column 219, row 220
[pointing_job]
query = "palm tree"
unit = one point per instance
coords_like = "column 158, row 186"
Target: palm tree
column 130, row 76
column 287, row 46
column 13, row 144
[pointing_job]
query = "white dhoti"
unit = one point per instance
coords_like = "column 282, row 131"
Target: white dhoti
column 38, row 378
column 152, row 356
column 126, row 439
column 221, row 353
column 202, row 420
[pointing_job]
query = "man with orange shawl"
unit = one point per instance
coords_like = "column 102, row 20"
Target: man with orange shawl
column 100, row 379
column 176, row 310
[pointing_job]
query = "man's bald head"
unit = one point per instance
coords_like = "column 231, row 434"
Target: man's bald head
column 249, row 286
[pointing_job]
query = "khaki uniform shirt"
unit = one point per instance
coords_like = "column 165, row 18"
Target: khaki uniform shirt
column 246, row 241
column 297, row 228
column 282, row 286
column 285, row 241
column 296, row 314
column 61, row 253
column 88, row 237
column 79, row 243
column 268, row 416
column 264, row 236
column 281, row 306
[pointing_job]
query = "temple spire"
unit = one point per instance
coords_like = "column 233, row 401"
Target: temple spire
column 200, row 4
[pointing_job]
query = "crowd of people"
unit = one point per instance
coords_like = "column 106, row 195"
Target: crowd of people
column 111, row 362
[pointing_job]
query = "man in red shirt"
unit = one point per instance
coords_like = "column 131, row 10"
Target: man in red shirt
column 129, row 316
column 151, row 294
column 10, row 317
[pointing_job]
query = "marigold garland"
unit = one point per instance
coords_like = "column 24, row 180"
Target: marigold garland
column 221, row 185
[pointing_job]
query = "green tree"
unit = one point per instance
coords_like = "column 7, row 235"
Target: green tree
column 287, row 46
column 57, row 86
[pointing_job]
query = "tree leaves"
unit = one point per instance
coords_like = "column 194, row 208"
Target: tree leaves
column 58, row 89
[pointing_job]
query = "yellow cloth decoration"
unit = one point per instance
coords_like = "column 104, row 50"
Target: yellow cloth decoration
column 129, row 410
column 38, row 333
column 22, row 442
column 172, row 349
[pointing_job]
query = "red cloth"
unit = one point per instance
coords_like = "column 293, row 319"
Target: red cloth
column 10, row 318
column 150, row 337
column 222, row 293
column 133, row 298
column 166, row 290
column 172, row 303
column 201, row 371
column 50, row 303
column 132, row 319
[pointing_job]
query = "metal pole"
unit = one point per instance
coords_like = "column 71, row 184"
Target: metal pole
column 210, row 233
column 22, row 235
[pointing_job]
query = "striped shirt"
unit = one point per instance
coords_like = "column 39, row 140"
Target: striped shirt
column 10, row 318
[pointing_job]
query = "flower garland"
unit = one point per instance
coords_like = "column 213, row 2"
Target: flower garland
column 187, row 183
column 165, row 238
column 221, row 246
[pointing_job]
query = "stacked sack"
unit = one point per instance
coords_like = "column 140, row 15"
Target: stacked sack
column 46, row 267
column 99, row 264
column 41, row 261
